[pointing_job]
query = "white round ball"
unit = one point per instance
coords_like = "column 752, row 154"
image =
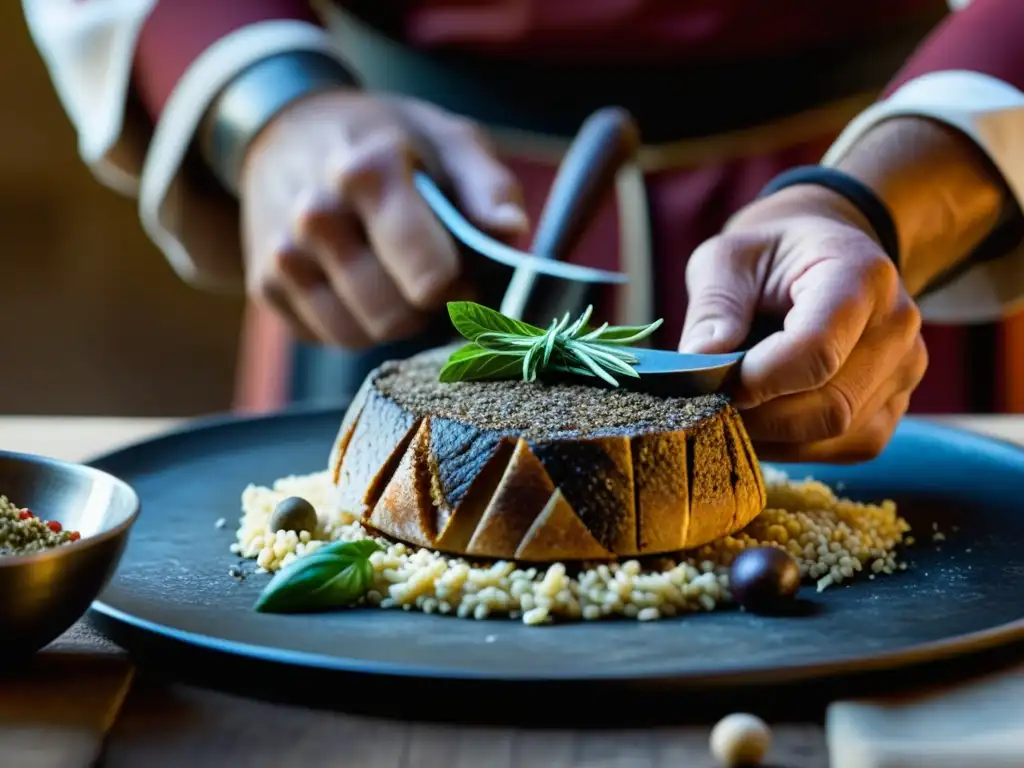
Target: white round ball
column 739, row 740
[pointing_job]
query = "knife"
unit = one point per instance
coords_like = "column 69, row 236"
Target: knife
column 607, row 139
column 678, row 374
column 485, row 245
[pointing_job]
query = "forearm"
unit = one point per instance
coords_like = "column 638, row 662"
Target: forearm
column 945, row 147
column 944, row 194
column 189, row 51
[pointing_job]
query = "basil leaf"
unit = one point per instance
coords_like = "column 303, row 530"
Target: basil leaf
column 361, row 548
column 474, row 363
column 472, row 319
column 334, row 576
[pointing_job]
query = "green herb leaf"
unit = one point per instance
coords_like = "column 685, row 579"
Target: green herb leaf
column 475, row 363
column 334, row 576
column 472, row 320
column 504, row 348
column 621, row 334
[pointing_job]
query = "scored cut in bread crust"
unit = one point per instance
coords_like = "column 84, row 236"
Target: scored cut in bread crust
column 432, row 480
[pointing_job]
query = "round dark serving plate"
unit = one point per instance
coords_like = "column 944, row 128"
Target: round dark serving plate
column 174, row 599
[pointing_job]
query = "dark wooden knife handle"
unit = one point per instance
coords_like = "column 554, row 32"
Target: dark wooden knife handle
column 606, row 140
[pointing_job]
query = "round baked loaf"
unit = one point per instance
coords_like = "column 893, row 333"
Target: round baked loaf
column 541, row 472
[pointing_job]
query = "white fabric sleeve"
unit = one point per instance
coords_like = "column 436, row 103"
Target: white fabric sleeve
column 991, row 113
column 198, row 230
column 89, row 48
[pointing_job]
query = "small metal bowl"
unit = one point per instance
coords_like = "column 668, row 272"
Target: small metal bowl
column 44, row 593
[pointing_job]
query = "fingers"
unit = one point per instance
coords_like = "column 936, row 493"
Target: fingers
column 484, row 188
column 782, row 434
column 352, row 269
column 299, row 290
column 864, row 444
column 723, row 282
column 412, row 246
column 875, row 371
column 833, row 302
column 366, row 260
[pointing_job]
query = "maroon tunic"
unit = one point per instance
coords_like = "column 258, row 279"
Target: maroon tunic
column 687, row 206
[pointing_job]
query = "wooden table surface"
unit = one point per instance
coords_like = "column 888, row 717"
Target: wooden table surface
column 85, row 702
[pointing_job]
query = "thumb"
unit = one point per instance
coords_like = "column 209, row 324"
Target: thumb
column 723, row 288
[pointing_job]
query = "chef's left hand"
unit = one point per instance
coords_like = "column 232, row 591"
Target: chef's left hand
column 833, row 383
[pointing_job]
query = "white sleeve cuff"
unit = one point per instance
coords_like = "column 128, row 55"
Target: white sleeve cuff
column 88, row 49
column 177, row 217
column 991, row 113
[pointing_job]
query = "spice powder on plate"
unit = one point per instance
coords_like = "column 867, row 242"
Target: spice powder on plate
column 23, row 533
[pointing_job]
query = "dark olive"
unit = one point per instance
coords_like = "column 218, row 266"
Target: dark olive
column 764, row 578
column 293, row 514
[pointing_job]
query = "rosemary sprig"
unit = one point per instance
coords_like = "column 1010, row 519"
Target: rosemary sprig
column 504, row 348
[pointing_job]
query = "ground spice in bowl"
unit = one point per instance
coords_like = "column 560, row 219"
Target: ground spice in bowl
column 22, row 532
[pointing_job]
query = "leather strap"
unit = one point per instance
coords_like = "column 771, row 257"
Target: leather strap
column 862, row 197
column 245, row 107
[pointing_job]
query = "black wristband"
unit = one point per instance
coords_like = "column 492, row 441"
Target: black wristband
column 862, row 197
column 250, row 101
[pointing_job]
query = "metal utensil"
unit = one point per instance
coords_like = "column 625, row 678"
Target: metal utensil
column 43, row 594
column 545, row 287
column 605, row 142
column 498, row 251
column 677, row 374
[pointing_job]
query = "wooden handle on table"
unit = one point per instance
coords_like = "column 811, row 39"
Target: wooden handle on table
column 607, row 140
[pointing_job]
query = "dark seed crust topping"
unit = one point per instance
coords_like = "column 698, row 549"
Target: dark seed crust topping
column 537, row 409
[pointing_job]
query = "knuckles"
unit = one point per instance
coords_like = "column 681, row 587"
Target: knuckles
column 919, row 359
column 458, row 130
column 313, row 219
column 373, row 163
column 880, row 273
column 823, row 357
column 906, row 318
column 914, row 365
column 837, row 412
column 266, row 284
column 872, row 442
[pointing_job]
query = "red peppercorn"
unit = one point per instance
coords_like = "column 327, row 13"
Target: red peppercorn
column 25, row 514
column 74, row 536
column 54, row 526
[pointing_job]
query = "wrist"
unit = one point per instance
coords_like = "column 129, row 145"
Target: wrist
column 803, row 201
column 254, row 98
column 944, row 195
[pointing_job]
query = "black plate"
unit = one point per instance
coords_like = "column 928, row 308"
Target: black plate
column 173, row 591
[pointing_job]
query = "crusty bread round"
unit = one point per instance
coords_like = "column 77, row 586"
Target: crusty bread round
column 541, row 472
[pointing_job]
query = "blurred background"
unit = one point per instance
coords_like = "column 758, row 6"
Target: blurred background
column 95, row 321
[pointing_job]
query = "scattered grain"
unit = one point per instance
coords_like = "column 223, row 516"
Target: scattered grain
column 833, row 541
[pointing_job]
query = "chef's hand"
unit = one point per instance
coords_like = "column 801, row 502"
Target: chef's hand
column 336, row 237
column 832, row 385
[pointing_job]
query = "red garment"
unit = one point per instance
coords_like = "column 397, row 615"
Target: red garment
column 687, row 206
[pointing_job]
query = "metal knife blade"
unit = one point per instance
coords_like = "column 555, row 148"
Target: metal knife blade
column 678, row 374
column 496, row 250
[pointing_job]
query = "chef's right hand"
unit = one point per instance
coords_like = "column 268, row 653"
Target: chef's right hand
column 336, row 237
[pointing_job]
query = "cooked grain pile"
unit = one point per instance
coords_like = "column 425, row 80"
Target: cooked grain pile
column 832, row 539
